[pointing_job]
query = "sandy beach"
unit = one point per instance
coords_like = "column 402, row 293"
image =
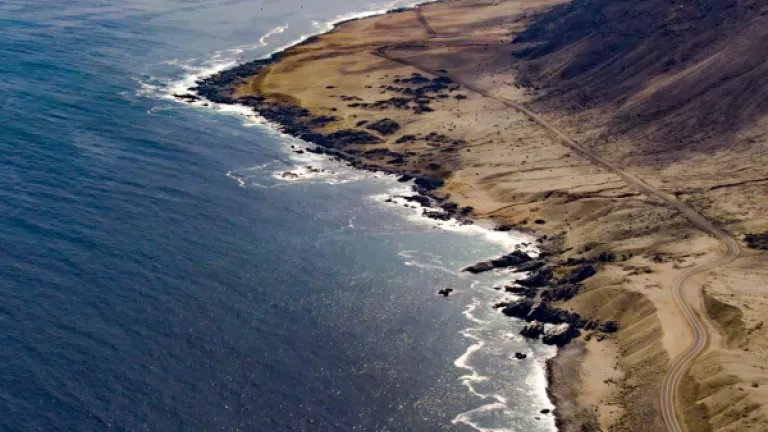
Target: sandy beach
column 432, row 92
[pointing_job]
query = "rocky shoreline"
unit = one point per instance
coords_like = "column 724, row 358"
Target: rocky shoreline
column 536, row 296
column 344, row 145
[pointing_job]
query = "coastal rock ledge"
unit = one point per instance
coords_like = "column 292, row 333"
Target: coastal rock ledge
column 567, row 324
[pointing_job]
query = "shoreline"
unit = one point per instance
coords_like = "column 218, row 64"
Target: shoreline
column 299, row 122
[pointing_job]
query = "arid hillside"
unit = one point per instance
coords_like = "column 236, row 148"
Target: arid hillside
column 683, row 75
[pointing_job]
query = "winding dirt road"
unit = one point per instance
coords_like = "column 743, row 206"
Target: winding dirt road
column 680, row 366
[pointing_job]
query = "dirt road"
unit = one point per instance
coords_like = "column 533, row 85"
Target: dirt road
column 679, row 367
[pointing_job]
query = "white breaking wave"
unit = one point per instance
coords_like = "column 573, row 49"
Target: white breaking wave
column 494, row 414
column 433, row 262
column 507, row 240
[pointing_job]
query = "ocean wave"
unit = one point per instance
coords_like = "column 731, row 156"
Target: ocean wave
column 508, row 240
column 491, row 365
column 425, row 260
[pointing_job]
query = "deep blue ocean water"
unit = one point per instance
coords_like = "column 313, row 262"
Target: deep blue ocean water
column 157, row 274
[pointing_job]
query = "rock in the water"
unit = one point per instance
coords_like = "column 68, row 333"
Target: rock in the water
column 530, row 266
column 543, row 312
column 445, row 292
column 421, row 199
column 510, row 260
column 504, row 228
column 538, row 279
column 560, row 334
column 520, row 356
column 480, row 267
column 529, row 292
column 187, row 97
column 545, row 411
column 450, row 206
column 519, row 309
column 437, row 215
column 513, row 259
column 533, row 330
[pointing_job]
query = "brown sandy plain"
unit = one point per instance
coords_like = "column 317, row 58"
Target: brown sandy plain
column 511, row 169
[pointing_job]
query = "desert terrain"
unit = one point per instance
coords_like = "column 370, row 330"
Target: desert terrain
column 636, row 129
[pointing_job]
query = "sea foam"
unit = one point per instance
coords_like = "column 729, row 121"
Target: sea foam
column 309, row 167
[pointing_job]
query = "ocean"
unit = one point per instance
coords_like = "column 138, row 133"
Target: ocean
column 166, row 267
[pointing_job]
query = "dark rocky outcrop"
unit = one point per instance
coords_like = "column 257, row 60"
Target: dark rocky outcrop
column 543, row 312
column 480, row 267
column 529, row 292
column 419, row 199
column 539, row 278
column 513, row 259
column 579, row 274
column 384, row 126
column 757, row 241
column 429, row 183
column 518, row 309
column 562, row 292
column 510, row 260
column 350, row 136
column 521, row 356
column 218, row 88
column 416, row 78
column 504, row 228
column 531, row 266
column 609, row 327
column 606, row 257
column 437, row 215
column 533, row 330
column 560, row 334
column 449, row 206
column 187, row 97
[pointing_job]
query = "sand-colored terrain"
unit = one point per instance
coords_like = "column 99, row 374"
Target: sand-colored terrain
column 513, row 169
